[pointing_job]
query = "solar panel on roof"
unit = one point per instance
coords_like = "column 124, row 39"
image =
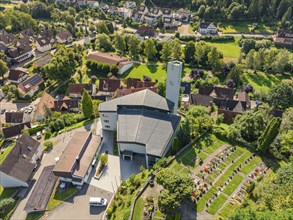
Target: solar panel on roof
column 33, row 80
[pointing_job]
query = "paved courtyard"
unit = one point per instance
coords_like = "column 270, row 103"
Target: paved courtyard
column 78, row 206
column 117, row 169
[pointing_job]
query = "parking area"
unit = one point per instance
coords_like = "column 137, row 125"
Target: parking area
column 78, row 207
column 117, row 169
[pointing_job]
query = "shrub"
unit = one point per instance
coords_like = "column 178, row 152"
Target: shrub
column 34, row 130
column 5, row 204
column 48, row 145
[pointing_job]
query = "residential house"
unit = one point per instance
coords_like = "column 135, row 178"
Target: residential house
column 122, row 91
column 66, row 105
column 283, row 38
column 144, row 32
column 6, row 38
column 244, row 97
column 78, row 158
column 183, row 15
column 30, row 85
column 75, row 90
column 15, row 118
column 207, row 28
column 125, row 12
column 47, row 34
column 64, row 37
column 167, row 18
column 123, row 63
column 185, row 87
column 109, row 85
column 43, row 44
column 45, row 104
column 137, row 83
column 15, row 130
column 20, row 52
column 81, row 2
column 217, row 92
column 103, row 6
column 27, row 33
column 113, row 10
column 138, row 15
column 130, row 4
column 153, row 16
column 16, row 76
column 17, row 168
column 144, row 122
column 3, row 47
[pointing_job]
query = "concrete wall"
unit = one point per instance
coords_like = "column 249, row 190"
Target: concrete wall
column 109, row 120
column 9, row 182
column 135, row 148
column 125, row 68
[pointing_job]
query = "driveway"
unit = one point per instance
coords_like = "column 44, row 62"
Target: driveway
column 78, row 206
column 117, row 169
column 60, row 143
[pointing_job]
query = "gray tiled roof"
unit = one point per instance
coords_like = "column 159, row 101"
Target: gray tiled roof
column 145, row 98
column 152, row 129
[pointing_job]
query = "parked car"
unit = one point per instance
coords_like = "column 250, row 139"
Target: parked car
column 39, row 135
column 29, row 110
column 62, row 185
column 97, row 201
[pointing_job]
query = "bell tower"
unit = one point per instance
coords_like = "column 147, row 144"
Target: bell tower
column 174, row 70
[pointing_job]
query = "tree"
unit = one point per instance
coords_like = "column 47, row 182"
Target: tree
column 162, row 88
column 199, row 52
column 189, row 52
column 102, row 28
column 103, row 42
column 184, row 133
column 281, row 95
column 235, row 75
column 87, row 105
column 247, row 45
column 150, row 49
column 168, row 201
column 270, row 133
column 250, row 59
column 259, row 60
column 133, row 47
column 166, row 52
column 3, row 68
column 176, row 49
column 119, row 43
column 214, row 60
column 96, row 104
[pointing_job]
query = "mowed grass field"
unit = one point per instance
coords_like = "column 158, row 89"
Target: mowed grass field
column 230, row 50
column 243, row 26
column 262, row 82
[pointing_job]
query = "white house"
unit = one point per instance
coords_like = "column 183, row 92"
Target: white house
column 43, row 44
column 78, row 159
column 207, row 28
column 145, row 121
column 17, row 168
column 153, row 16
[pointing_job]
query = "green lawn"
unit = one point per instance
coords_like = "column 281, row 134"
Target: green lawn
column 227, row 210
column 5, row 152
column 6, row 193
column 251, row 165
column 230, row 50
column 234, row 27
column 138, row 209
column 261, row 81
column 57, row 198
column 200, row 205
column 34, row 216
column 233, row 185
column 216, row 204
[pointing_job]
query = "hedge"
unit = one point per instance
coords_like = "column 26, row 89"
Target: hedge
column 34, row 130
column 208, row 38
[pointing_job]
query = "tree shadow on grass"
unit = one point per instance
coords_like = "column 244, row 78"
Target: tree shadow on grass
column 152, row 68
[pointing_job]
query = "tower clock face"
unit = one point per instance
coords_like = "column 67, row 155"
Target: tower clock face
column 171, row 82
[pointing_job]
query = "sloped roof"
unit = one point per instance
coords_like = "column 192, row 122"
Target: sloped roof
column 220, row 92
column 15, row 130
column 109, row 85
column 126, row 91
column 43, row 41
column 13, row 117
column 18, row 162
column 197, row 99
column 64, row 35
column 77, row 88
column 45, row 101
column 108, row 58
column 30, row 83
column 145, row 98
column 152, row 129
column 146, row 31
column 15, row 74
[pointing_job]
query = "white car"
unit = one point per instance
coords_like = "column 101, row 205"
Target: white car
column 97, row 201
column 62, row 185
column 30, row 109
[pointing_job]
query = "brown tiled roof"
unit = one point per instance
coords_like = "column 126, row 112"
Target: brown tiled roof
column 18, row 162
column 46, row 33
column 109, row 85
column 29, row 32
column 43, row 41
column 145, row 84
column 86, row 160
column 126, row 91
column 220, row 92
column 228, row 115
column 64, row 35
column 243, row 96
column 197, row 99
column 13, row 117
column 42, row 191
column 45, row 101
column 15, row 74
column 15, row 130
column 229, row 104
column 76, row 88
column 67, row 104
column 6, row 38
column 18, row 50
column 72, row 153
column 132, row 82
column 146, row 31
column 108, row 58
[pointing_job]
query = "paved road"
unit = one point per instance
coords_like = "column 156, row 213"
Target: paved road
column 60, row 143
column 78, row 206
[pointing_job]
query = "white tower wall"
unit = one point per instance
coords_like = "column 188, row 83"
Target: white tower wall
column 174, row 70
